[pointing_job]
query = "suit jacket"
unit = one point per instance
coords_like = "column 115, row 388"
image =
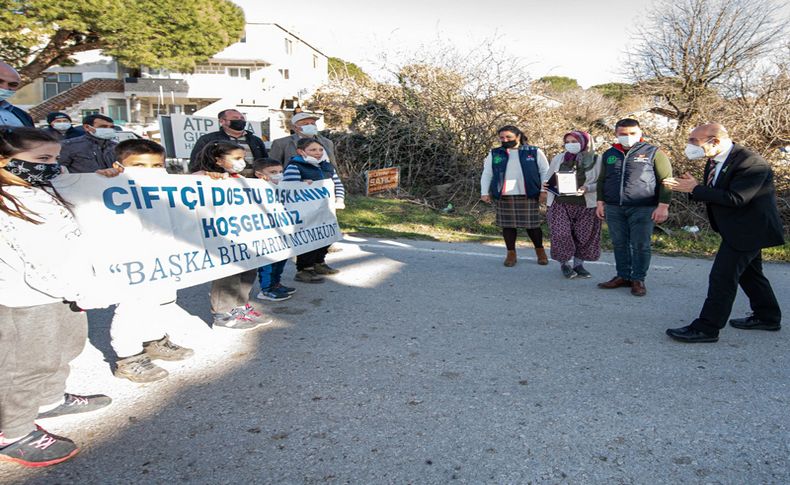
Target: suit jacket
column 741, row 205
column 284, row 149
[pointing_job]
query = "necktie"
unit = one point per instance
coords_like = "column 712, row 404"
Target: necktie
column 711, row 172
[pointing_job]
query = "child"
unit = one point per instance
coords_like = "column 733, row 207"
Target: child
column 269, row 276
column 43, row 281
column 230, row 295
column 308, row 165
column 136, row 328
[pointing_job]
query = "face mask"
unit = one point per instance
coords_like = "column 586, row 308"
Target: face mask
column 313, row 160
column 573, row 148
column 629, row 140
column 237, row 165
column 509, row 144
column 104, row 133
column 237, row 125
column 33, row 173
column 694, row 152
column 5, row 94
column 309, row 130
column 276, row 179
column 61, row 126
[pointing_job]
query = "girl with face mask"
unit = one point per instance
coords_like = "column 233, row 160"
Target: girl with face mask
column 230, row 303
column 512, row 179
column 45, row 280
column 575, row 230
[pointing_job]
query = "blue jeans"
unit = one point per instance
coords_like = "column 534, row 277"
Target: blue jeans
column 269, row 275
column 630, row 229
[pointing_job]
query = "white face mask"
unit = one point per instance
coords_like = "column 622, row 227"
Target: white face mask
column 694, row 152
column 237, row 165
column 573, row 148
column 312, row 160
column 276, row 178
column 309, row 130
column 629, row 140
column 104, row 133
column 61, row 125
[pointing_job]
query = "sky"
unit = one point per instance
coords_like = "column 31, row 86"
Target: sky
column 582, row 39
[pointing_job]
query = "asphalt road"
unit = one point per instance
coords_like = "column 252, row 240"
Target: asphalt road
column 427, row 362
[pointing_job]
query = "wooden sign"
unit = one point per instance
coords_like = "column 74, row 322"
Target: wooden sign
column 382, row 180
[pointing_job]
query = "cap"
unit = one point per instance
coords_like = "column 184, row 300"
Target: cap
column 304, row 116
column 55, row 115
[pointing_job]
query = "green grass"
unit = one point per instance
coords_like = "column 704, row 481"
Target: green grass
column 375, row 216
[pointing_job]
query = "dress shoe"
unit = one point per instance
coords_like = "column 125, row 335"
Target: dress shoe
column 615, row 282
column 753, row 323
column 638, row 288
column 511, row 259
column 691, row 335
column 543, row 260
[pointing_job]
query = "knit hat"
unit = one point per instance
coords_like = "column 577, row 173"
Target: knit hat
column 55, row 115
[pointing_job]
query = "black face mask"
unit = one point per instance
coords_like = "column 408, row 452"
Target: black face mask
column 509, row 144
column 32, row 172
column 237, row 125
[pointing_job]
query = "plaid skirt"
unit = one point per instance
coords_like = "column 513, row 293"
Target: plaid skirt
column 517, row 211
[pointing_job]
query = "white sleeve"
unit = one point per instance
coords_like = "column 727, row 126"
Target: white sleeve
column 36, row 265
column 543, row 166
column 485, row 179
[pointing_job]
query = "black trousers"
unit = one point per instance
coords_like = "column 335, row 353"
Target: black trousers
column 311, row 258
column 731, row 269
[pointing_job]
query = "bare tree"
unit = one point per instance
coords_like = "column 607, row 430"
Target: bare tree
column 691, row 48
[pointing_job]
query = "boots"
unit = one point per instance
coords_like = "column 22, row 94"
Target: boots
column 543, row 260
column 510, row 259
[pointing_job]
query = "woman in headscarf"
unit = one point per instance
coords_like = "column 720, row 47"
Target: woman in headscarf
column 512, row 176
column 575, row 231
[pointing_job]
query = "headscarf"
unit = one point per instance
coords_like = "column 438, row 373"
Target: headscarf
column 582, row 161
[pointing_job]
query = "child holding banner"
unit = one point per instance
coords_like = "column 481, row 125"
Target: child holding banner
column 311, row 164
column 230, row 295
column 269, row 276
column 136, row 329
column 42, row 269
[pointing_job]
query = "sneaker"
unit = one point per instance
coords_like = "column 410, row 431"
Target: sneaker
column 236, row 319
column 307, row 275
column 334, row 249
column 255, row 315
column 272, row 294
column 286, row 289
column 74, row 404
column 567, row 271
column 581, row 272
column 39, row 448
column 164, row 349
column 323, row 268
column 139, row 368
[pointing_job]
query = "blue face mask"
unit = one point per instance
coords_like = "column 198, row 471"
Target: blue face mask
column 5, row 94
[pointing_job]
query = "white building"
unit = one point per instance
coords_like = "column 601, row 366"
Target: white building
column 265, row 75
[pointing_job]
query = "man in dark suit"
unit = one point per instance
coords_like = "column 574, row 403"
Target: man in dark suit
column 738, row 192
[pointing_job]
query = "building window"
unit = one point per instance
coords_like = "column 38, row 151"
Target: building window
column 285, row 73
column 315, row 61
column 243, row 37
column 243, row 72
column 289, row 46
column 88, row 112
column 56, row 83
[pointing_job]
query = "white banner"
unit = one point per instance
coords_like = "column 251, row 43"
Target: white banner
column 187, row 129
column 150, row 231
